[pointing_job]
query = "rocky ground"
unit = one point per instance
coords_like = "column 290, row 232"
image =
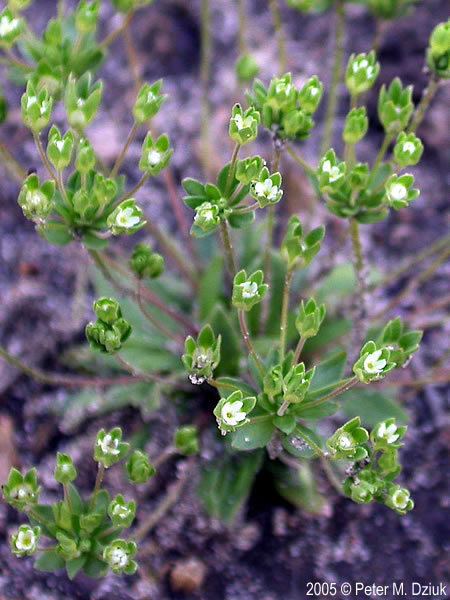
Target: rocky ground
column 275, row 550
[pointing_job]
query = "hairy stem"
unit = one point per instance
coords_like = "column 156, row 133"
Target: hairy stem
column 298, row 349
column 248, row 342
column 153, row 320
column 346, row 385
column 122, row 155
column 281, row 41
column 285, row 312
column 242, row 41
column 337, row 72
column 427, row 96
column 98, row 483
column 228, row 247
column 309, row 170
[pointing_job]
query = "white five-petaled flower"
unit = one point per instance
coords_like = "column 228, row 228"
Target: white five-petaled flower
column 373, row 363
column 345, row 441
column 267, row 189
column 205, row 213
column 400, row 498
column 35, row 198
column 398, row 191
column 122, row 511
column 388, row 433
column 232, row 414
column 363, row 64
column 109, row 445
column 26, row 540
column 60, row 145
column 249, row 289
column 202, row 361
column 409, row 147
column 243, row 122
column 333, row 171
column 126, row 218
column 8, row 25
column 154, row 158
column 151, row 97
column 118, row 558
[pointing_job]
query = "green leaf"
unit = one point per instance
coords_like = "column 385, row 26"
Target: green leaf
column 286, row 423
column 56, row 233
column 226, row 484
column 95, row 567
column 330, row 331
column 210, row 288
column 372, row 406
column 317, row 412
column 297, row 443
column 299, row 487
column 238, row 221
column 93, row 242
column 329, row 371
column 238, row 384
column 230, row 349
column 76, row 502
column 339, row 283
column 253, row 435
column 49, row 561
column 74, row 566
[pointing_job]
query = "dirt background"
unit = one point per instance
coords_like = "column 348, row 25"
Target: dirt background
column 274, row 550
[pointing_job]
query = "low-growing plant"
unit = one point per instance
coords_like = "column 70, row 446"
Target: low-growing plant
column 259, row 321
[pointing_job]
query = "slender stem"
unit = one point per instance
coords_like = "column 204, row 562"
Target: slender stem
column 228, row 247
column 62, row 187
column 424, row 103
column 67, row 499
column 165, row 455
column 380, row 29
column 331, row 475
column 60, row 9
column 298, row 349
column 285, row 312
column 360, row 307
column 283, row 408
column 98, row 483
column 166, row 503
column 57, row 379
column 382, row 152
column 112, row 37
column 337, row 72
column 14, row 61
column 310, row 441
column 230, row 175
column 44, row 158
column 309, row 170
column 133, row 60
column 12, row 165
column 142, row 181
column 205, row 74
column 246, row 209
column 278, row 27
column 150, row 377
column 242, row 41
column 248, row 342
column 122, row 155
column 347, row 385
column 153, row 320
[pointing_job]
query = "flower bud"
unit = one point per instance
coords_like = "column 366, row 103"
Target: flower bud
column 126, row 219
column 146, row 263
column 244, row 125
column 36, row 108
column 231, row 413
column 60, row 148
column 139, row 468
column 363, row 488
column 109, row 448
column 86, row 16
column 125, row 6
column 82, row 100
column 11, row 28
column 149, row 101
column 65, row 470
column 389, row 9
column 104, row 190
column 297, row 124
column 356, row 125
column 121, row 513
column 248, row 290
column 21, row 491
column 246, row 68
column 249, row 169
column 309, row 318
column 438, row 53
column 186, row 440
column 362, row 72
column 310, row 95
column 155, row 155
column 36, row 200
column 119, row 557
column 395, row 106
column 25, row 541
column 85, row 160
column 348, row 441
column 107, row 310
column 207, row 217
column 282, row 93
column 408, row 149
column 302, row 5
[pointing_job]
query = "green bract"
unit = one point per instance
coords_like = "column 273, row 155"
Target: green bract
column 119, row 557
column 348, row 441
column 82, row 99
column 243, row 124
column 374, row 363
column 266, row 188
column 36, row 108
column 309, row 318
column 149, row 101
column 356, row 125
column 36, row 200
column 21, row 491
column 139, row 468
column 155, row 155
column 438, row 53
column 248, row 290
column 60, row 148
column 246, row 68
column 186, row 440
column 65, row 470
column 408, row 149
column 121, row 513
column 231, row 412
column 395, row 106
column 146, row 263
column 11, row 28
column 202, row 356
column 362, row 72
column 109, row 448
column 399, row 191
column 127, row 218
column 297, row 248
column 24, row 542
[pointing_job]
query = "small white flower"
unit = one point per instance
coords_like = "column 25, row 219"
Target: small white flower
column 60, row 145
column 31, row 100
column 154, row 158
column 345, row 441
column 34, row 198
column 388, row 433
column 121, row 511
column 249, row 289
column 7, row 26
column 21, row 492
column 373, row 363
column 314, row 91
column 151, row 97
column 80, row 102
column 333, row 172
column 202, row 361
column 266, row 189
column 206, row 213
column 241, row 122
column 109, row 445
column 409, row 147
column 26, row 540
column 232, row 414
column 398, row 191
column 126, row 218
column 118, row 558
column 44, row 107
column 400, row 499
column 196, row 380
column 283, row 88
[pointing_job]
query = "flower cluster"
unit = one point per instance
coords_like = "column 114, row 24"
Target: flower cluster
column 110, row 330
column 202, row 356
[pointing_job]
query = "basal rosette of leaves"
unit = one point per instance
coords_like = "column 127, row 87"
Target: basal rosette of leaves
column 239, row 309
